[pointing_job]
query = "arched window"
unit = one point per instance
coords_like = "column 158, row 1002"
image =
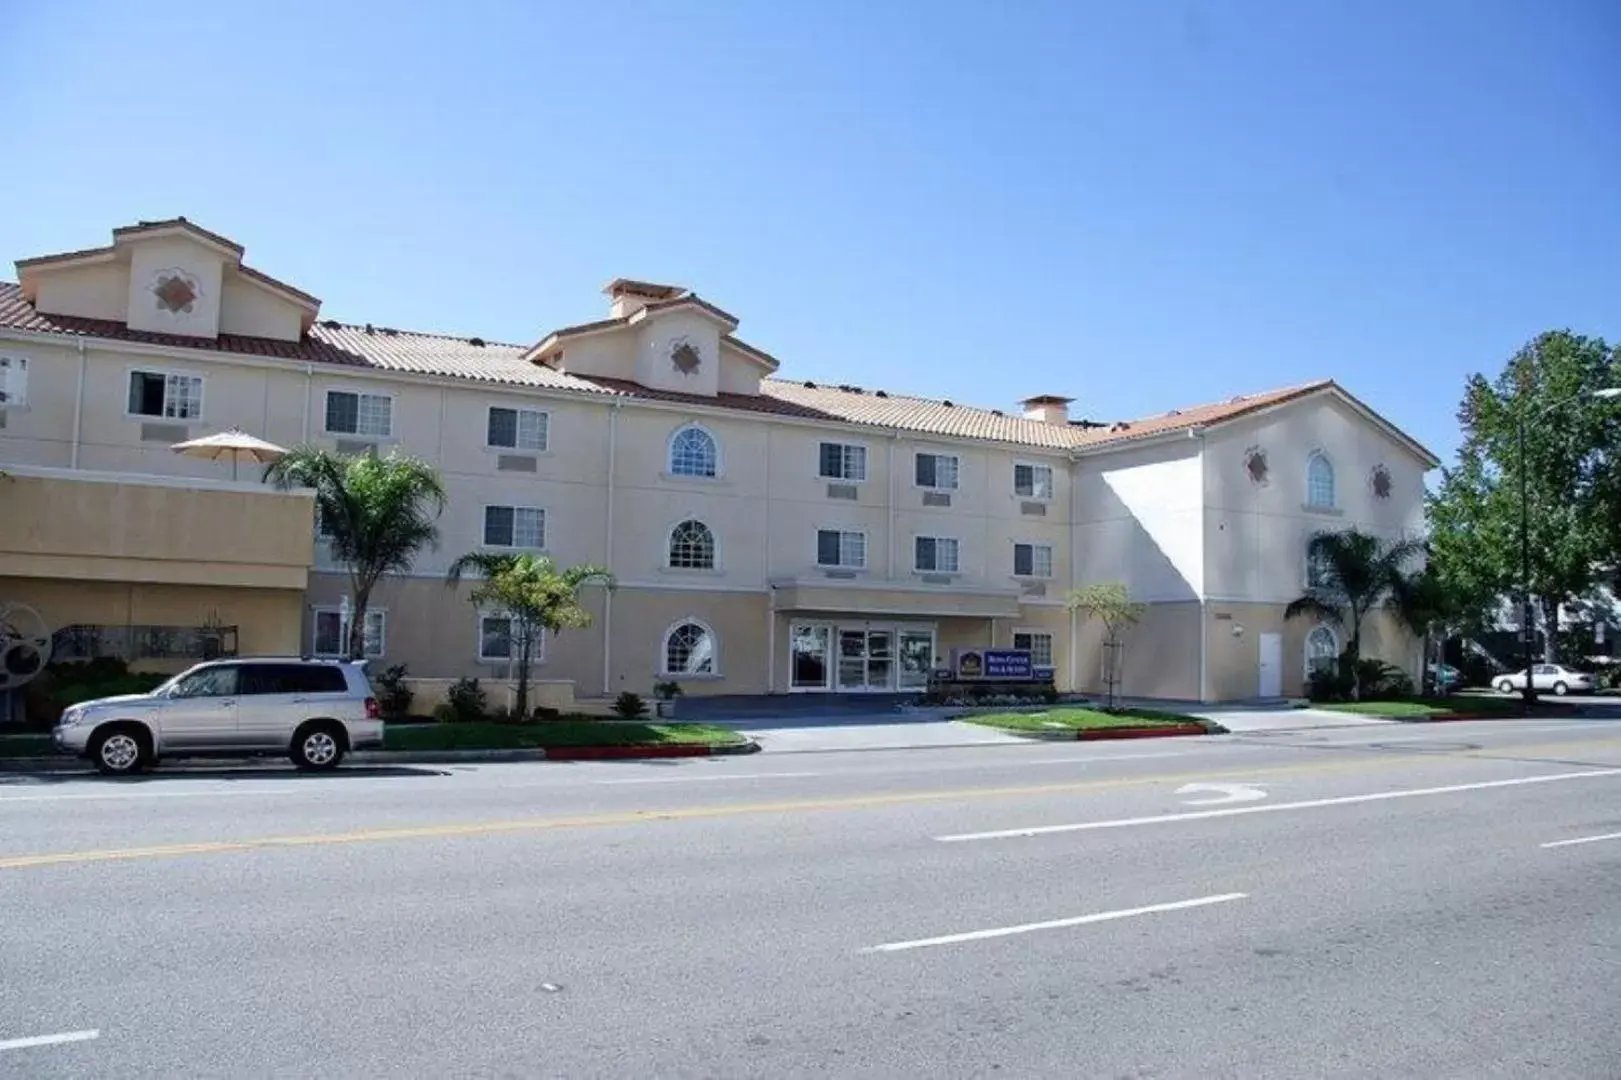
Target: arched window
column 692, row 546
column 693, row 453
column 1322, row 650
column 1320, row 482
column 689, row 649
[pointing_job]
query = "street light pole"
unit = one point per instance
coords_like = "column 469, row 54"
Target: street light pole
column 1528, row 693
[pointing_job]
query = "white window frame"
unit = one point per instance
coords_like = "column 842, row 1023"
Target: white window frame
column 663, row 664
column 517, row 447
column 669, row 453
column 14, row 382
column 166, row 374
column 1052, row 646
column 358, row 394
column 1333, row 482
column 1305, row 649
column 956, row 471
column 843, row 532
column 538, row 656
column 1052, row 481
column 956, row 551
column 714, row 544
column 844, row 460
column 483, row 527
column 380, row 615
column 1034, row 546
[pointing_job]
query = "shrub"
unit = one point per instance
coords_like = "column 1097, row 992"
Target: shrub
column 445, row 713
column 545, row 714
column 1328, row 685
column 467, row 698
column 668, row 690
column 393, row 696
column 629, row 705
column 1382, row 680
column 500, row 715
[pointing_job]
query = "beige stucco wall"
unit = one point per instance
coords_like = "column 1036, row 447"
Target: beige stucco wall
column 1160, row 658
column 250, row 309
column 1233, row 658
column 96, row 291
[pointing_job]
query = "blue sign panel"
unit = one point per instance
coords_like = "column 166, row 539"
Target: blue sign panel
column 1007, row 664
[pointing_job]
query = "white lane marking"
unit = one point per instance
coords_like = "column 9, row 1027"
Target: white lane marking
column 1583, row 840
column 71, row 796
column 1054, row 924
column 704, row 779
column 1224, row 793
column 49, row 1040
column 1307, row 804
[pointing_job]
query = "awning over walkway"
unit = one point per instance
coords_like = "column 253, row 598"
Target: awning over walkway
column 861, row 597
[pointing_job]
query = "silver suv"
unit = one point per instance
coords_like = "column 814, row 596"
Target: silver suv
column 314, row 711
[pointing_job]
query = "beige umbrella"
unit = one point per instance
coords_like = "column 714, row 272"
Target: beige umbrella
column 234, row 444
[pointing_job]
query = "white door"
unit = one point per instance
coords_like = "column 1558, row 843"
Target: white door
column 1271, row 681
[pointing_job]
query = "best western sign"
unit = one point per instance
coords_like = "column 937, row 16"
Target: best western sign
column 1001, row 664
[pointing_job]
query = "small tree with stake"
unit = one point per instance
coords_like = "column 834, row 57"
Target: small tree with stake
column 535, row 594
column 1110, row 603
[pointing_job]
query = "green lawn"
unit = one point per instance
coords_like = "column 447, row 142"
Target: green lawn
column 1076, row 719
column 553, row 733
column 1442, row 706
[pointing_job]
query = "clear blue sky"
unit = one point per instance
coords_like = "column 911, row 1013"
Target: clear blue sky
column 1138, row 204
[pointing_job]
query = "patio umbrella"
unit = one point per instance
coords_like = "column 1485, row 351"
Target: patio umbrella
column 234, row 444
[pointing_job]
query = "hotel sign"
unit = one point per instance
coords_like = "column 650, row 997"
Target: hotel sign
column 1002, row 664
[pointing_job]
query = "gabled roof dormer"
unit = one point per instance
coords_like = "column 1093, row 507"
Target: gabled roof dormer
column 664, row 337
column 168, row 277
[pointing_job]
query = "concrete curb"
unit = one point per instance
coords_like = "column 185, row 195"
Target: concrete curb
column 65, row 764
column 1098, row 734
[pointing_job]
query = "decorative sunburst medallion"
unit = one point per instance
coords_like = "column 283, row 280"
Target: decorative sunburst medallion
column 1379, row 480
column 175, row 290
column 685, row 357
column 1255, row 465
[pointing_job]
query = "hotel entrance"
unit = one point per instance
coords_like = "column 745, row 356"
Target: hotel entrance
column 860, row 658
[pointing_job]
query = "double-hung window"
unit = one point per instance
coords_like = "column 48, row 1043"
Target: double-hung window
column 843, row 461
column 1032, row 481
column 1039, row 645
column 500, row 639
column 330, row 628
column 514, row 527
column 1033, row 560
column 937, row 472
column 936, row 554
column 352, row 413
column 13, row 381
column 842, row 548
column 168, row 395
column 517, row 429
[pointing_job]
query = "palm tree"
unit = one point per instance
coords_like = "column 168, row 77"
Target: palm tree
column 1356, row 573
column 535, row 594
column 377, row 512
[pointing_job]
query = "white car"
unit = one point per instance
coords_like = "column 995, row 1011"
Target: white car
column 314, row 711
column 1555, row 677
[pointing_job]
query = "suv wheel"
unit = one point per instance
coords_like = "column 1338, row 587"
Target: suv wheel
column 1505, row 687
column 118, row 751
column 318, row 747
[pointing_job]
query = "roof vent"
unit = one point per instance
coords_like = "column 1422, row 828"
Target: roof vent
column 947, row 403
column 1174, row 412
column 1120, row 425
column 809, row 385
column 1235, row 400
column 390, row 331
column 996, row 412
column 476, row 342
column 369, row 329
column 879, row 393
column 332, row 324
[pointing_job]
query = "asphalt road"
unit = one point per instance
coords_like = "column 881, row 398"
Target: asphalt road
column 1413, row 900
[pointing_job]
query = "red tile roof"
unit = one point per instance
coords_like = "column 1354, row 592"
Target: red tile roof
column 387, row 349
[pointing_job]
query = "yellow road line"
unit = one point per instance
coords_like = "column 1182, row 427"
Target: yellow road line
column 791, row 806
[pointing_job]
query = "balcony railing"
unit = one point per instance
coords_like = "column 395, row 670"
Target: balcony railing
column 132, row 643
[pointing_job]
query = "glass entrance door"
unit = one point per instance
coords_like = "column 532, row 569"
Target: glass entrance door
column 866, row 660
column 809, row 661
column 917, row 659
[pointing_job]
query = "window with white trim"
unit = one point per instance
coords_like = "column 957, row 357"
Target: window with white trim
column 352, row 413
column 1033, row 560
column 517, row 429
column 689, row 649
column 937, row 472
column 1322, row 651
column 1320, row 482
column 692, row 546
column 499, row 640
column 1038, row 644
column 935, row 554
column 168, row 395
column 329, row 632
column 13, row 380
column 842, row 461
column 514, row 527
column 694, row 452
column 844, row 548
column 1032, row 481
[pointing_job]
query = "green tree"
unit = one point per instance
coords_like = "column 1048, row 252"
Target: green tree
column 1572, row 504
column 377, row 512
column 1110, row 603
column 1434, row 607
column 1356, row 574
column 535, row 594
